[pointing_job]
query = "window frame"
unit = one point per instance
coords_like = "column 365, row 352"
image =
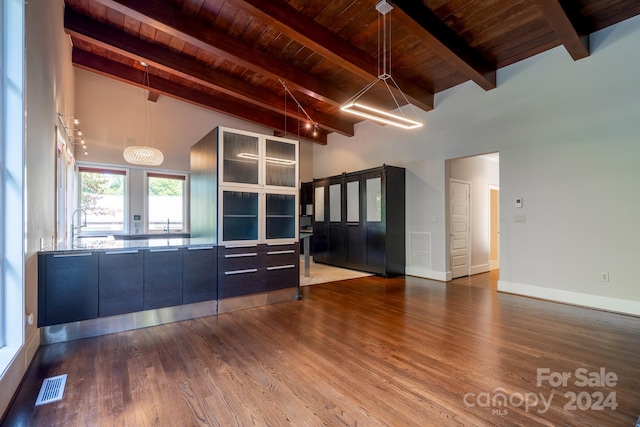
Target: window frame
column 12, row 181
column 115, row 170
column 185, row 199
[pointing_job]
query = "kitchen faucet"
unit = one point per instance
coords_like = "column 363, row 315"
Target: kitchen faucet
column 166, row 228
column 80, row 225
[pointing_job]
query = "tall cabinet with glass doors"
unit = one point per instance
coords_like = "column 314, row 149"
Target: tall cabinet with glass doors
column 359, row 220
column 245, row 195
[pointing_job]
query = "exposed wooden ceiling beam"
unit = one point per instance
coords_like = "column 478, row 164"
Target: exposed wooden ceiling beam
column 118, row 71
column 173, row 22
column 426, row 26
column 311, row 34
column 576, row 44
column 85, row 28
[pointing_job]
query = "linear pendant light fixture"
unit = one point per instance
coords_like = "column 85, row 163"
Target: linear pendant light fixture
column 144, row 155
column 355, row 106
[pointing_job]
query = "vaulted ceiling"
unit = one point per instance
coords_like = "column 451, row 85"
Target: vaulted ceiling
column 239, row 57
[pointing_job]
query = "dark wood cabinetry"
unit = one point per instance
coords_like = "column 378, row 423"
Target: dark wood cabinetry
column 281, row 264
column 67, row 288
column 252, row 269
column 248, row 182
column 162, row 278
column 82, row 285
column 360, row 220
column 121, row 282
column 199, row 268
column 239, row 270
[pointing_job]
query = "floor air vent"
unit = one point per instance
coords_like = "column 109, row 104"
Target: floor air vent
column 52, row 389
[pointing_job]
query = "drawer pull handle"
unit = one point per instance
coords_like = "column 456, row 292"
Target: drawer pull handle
column 278, row 244
column 249, row 254
column 281, row 267
column 73, row 255
column 164, row 250
column 281, row 252
column 199, row 248
column 240, row 246
column 135, row 251
column 250, row 270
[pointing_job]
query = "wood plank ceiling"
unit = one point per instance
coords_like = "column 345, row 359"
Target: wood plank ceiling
column 232, row 56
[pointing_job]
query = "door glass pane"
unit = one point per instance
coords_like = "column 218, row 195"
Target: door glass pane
column 281, row 216
column 334, row 203
column 239, row 216
column 280, row 163
column 374, row 200
column 319, row 204
column 353, row 201
column 240, row 155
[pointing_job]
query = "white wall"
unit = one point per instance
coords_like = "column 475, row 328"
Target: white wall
column 49, row 89
column 567, row 133
column 111, row 111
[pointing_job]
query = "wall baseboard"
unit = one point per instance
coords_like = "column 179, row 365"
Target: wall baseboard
column 482, row 268
column 32, row 347
column 574, row 298
column 428, row 274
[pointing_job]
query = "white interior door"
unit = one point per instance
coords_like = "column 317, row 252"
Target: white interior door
column 459, row 203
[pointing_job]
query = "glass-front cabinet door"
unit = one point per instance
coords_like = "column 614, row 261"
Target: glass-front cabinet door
column 280, row 163
column 240, row 158
column 239, row 216
column 280, row 216
column 258, row 188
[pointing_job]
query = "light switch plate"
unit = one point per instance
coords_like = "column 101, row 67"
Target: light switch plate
column 519, row 202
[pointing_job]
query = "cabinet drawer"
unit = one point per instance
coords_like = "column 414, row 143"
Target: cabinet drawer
column 239, row 282
column 275, row 258
column 234, row 250
column 239, row 260
column 282, row 276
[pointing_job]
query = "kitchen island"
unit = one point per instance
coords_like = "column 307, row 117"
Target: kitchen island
column 103, row 285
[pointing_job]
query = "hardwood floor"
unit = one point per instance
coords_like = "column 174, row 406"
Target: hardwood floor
column 367, row 351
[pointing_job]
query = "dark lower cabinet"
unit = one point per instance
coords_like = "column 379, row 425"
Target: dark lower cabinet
column 199, row 270
column 74, row 286
column 257, row 268
column 162, row 278
column 239, row 270
column 67, row 288
column 121, row 282
column 281, row 265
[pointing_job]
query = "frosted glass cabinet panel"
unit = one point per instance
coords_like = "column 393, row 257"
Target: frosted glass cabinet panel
column 239, row 215
column 374, row 199
column 240, row 155
column 319, row 204
column 280, row 163
column 335, row 206
column 365, row 227
column 255, row 181
column 353, row 201
column 281, row 216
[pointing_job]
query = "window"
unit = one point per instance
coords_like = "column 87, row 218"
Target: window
column 102, row 196
column 11, row 180
column 165, row 202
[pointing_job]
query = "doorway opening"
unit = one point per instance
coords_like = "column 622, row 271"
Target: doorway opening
column 473, row 220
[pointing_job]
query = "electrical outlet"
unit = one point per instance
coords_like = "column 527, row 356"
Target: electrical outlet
column 604, row 276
